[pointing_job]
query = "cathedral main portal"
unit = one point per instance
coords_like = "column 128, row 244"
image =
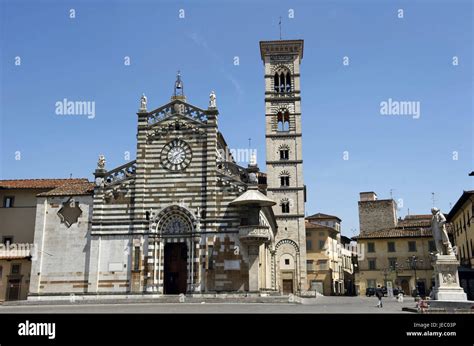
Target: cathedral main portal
column 175, row 268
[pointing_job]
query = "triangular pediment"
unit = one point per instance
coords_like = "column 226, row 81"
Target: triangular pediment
column 177, row 109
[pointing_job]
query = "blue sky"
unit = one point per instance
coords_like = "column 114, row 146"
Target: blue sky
column 406, row 59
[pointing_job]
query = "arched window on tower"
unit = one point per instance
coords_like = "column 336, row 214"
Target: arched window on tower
column 282, row 80
column 285, row 206
column 284, row 152
column 276, row 82
column 284, row 179
column 283, row 120
column 288, row 82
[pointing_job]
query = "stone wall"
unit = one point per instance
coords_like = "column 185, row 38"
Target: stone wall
column 378, row 214
column 62, row 252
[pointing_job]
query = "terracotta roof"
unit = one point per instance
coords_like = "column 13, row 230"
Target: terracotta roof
column 37, row 183
column 322, row 216
column 419, row 216
column 402, row 232
column 396, row 233
column 71, row 189
column 310, row 225
column 415, row 223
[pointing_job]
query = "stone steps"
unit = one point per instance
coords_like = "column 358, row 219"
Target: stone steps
column 158, row 299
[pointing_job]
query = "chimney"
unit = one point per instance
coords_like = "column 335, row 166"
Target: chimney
column 368, row 196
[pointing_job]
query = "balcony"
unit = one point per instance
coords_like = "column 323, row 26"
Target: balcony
column 254, row 234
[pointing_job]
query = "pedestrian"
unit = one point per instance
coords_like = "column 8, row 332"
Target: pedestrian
column 379, row 294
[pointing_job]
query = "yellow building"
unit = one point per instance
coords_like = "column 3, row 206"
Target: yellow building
column 393, row 251
column 461, row 218
column 17, row 224
column 394, row 255
column 324, row 259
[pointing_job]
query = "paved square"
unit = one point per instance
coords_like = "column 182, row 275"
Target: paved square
column 321, row 305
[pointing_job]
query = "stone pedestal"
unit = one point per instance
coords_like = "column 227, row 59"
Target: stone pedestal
column 447, row 279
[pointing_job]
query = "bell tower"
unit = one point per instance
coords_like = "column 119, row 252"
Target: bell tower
column 284, row 159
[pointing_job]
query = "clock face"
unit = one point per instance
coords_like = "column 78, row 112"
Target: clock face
column 176, row 155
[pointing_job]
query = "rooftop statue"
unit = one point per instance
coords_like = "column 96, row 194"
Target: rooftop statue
column 143, row 102
column 101, row 162
column 212, row 100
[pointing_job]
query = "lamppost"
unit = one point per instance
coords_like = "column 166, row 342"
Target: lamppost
column 389, row 288
column 386, row 272
column 412, row 262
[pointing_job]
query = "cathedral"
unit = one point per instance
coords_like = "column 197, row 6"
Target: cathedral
column 183, row 217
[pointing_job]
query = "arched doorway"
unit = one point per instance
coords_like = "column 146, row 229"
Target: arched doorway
column 287, row 261
column 175, row 268
column 174, row 248
column 405, row 286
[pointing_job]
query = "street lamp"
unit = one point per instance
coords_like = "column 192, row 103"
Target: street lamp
column 389, row 288
column 397, row 268
column 386, row 272
column 412, row 262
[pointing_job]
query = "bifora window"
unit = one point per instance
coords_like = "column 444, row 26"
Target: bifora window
column 283, row 120
column 285, row 207
column 282, row 80
column 284, row 179
column 284, row 153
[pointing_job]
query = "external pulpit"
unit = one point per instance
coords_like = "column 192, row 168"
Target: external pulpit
column 252, row 232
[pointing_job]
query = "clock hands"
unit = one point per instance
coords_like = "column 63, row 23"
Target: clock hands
column 176, row 155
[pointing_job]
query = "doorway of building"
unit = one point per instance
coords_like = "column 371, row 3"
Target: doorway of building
column 175, row 268
column 14, row 289
column 287, row 286
column 421, row 288
column 405, row 286
column 317, row 286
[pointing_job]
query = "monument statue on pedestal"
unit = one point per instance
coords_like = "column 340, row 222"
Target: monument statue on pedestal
column 440, row 235
column 445, row 263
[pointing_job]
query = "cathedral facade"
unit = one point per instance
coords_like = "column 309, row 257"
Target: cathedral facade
column 184, row 217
